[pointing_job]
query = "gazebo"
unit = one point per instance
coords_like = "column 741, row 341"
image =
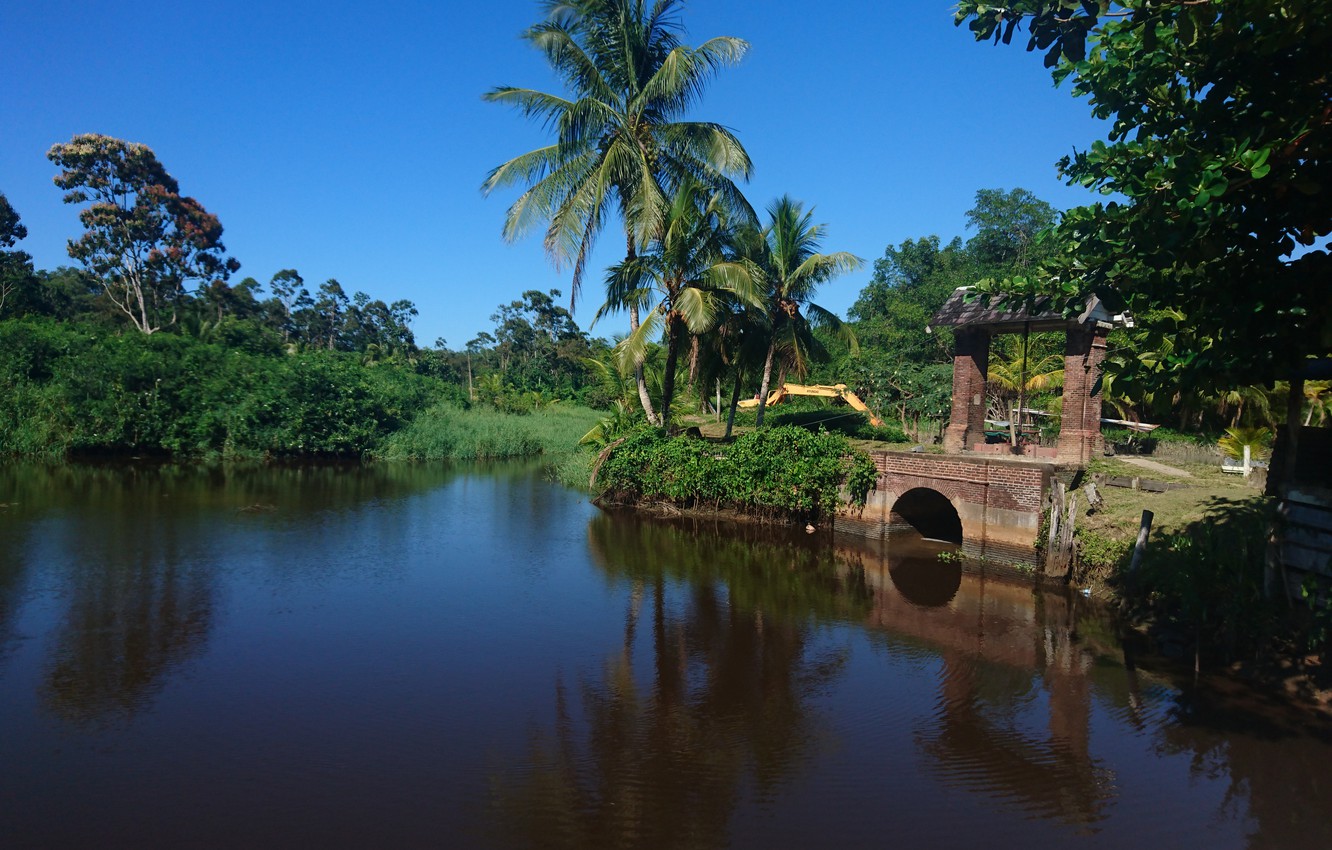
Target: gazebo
column 976, row 320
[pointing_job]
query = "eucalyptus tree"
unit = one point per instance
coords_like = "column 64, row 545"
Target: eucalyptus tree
column 144, row 240
column 687, row 272
column 787, row 255
column 621, row 145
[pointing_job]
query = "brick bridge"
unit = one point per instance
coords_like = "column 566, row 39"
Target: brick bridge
column 992, row 505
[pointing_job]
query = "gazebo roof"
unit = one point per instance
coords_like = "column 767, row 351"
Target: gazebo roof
column 958, row 312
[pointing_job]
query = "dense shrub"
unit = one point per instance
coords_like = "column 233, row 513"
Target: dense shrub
column 781, row 471
column 81, row 388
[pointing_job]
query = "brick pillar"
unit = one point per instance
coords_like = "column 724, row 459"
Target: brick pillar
column 971, row 365
column 1080, row 428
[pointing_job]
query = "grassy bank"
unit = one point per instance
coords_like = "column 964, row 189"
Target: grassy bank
column 448, row 431
column 1199, row 592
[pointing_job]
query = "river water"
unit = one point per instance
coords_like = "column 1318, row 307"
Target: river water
column 425, row 656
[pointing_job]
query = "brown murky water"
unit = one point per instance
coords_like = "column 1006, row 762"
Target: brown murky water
column 422, row 656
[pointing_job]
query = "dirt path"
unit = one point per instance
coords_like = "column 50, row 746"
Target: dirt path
column 1154, row 466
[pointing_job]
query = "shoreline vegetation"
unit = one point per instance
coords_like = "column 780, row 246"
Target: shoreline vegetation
column 152, row 346
column 78, row 390
column 73, row 390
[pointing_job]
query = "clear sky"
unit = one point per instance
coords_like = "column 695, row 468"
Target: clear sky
column 349, row 140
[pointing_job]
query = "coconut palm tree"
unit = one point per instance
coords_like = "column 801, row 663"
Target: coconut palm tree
column 621, row 146
column 787, row 254
column 687, row 272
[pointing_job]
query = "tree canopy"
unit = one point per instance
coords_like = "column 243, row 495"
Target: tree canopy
column 1218, row 167
column 144, row 239
column 15, row 266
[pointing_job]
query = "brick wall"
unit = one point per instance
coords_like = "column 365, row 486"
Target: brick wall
column 999, row 501
column 1003, row 484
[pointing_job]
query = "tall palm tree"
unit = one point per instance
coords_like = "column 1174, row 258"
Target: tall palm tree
column 620, row 144
column 687, row 272
column 787, row 253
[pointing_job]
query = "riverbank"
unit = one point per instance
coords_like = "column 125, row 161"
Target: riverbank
column 1198, row 599
column 784, row 473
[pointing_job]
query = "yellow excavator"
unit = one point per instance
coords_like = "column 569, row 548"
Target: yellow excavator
column 819, row 391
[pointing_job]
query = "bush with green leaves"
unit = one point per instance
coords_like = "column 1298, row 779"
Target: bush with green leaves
column 781, row 472
column 74, row 388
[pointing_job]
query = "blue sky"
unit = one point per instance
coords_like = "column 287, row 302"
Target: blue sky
column 350, row 140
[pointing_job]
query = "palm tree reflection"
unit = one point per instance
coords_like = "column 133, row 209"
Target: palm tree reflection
column 726, row 711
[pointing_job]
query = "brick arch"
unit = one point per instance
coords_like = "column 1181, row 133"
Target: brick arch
column 998, row 501
column 923, row 509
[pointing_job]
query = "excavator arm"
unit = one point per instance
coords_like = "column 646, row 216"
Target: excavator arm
column 818, row 391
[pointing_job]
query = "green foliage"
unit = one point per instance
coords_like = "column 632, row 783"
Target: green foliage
column 1220, row 148
column 1259, row 441
column 15, row 266
column 144, row 240
column 79, row 388
column 775, row 472
column 1203, row 586
column 449, row 431
column 620, row 135
column 786, row 260
column 623, row 419
column 1097, row 553
column 851, row 423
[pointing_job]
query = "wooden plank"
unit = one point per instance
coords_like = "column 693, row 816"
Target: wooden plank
column 1119, row 481
column 1309, row 538
column 1311, row 560
column 1307, row 515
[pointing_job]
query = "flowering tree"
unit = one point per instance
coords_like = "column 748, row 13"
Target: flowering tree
column 144, row 241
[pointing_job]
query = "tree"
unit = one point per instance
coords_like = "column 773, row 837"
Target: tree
column 1007, row 224
column 144, row 240
column 15, row 266
column 686, row 270
column 620, row 145
column 289, row 289
column 331, row 309
column 787, row 257
column 1220, row 150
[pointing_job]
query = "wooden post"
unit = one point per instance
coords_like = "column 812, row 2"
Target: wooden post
column 1052, row 541
column 1066, row 543
column 1140, row 548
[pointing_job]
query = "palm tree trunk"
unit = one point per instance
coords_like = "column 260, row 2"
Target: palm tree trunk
column 672, row 358
column 693, row 363
column 735, row 402
column 643, row 397
column 763, row 387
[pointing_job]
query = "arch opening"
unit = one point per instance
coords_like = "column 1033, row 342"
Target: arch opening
column 930, row 513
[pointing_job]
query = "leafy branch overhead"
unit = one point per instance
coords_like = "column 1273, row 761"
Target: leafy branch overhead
column 1217, row 169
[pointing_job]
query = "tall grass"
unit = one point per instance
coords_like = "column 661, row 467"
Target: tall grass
column 447, row 431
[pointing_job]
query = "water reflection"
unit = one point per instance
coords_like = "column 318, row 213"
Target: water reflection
column 714, row 701
column 482, row 656
column 136, row 544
